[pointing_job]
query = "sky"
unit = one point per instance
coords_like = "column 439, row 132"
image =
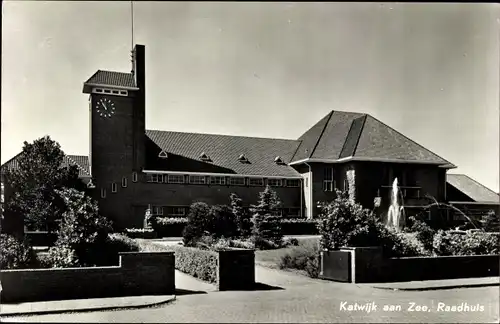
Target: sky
column 429, row 70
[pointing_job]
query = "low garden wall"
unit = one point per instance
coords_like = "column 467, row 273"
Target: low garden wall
column 138, row 273
column 228, row 269
column 367, row 264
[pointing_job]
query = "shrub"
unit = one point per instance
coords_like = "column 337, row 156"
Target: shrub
column 424, row 233
column 146, row 233
column 468, row 243
column 345, row 223
column 267, row 228
column 243, row 220
column 302, row 257
column 261, row 243
column 198, row 223
column 80, row 228
column 169, row 226
column 198, row 263
column 242, row 244
column 107, row 252
column 222, row 222
column 490, row 222
column 62, row 256
column 15, row 253
column 290, row 242
column 299, row 226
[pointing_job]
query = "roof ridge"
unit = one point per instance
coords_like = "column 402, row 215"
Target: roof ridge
column 414, row 142
column 349, row 132
column 330, row 114
column 364, row 116
column 226, row 135
column 75, row 163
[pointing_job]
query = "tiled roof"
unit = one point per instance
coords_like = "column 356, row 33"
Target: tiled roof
column 346, row 134
column 82, row 162
column 224, row 151
column 112, row 78
column 472, row 188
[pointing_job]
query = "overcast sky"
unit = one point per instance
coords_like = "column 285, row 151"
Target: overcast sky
column 431, row 71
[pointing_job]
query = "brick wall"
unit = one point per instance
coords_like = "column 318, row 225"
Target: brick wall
column 236, row 269
column 369, row 265
column 139, row 273
column 139, row 195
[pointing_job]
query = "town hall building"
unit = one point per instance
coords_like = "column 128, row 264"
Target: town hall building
column 131, row 168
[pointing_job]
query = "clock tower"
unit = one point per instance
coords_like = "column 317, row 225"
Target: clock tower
column 117, row 137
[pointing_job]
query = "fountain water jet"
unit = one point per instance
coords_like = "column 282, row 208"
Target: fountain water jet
column 395, row 214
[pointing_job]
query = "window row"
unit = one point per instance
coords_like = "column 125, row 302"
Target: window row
column 220, row 180
column 110, row 91
column 184, row 210
column 114, row 185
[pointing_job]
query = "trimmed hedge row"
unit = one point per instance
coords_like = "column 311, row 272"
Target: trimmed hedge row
column 198, row 263
column 299, row 226
column 173, row 226
column 143, row 233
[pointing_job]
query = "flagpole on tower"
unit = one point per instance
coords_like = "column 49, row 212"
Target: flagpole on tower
column 132, row 34
column 132, row 19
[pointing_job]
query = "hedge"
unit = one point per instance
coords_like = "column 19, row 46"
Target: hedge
column 169, row 226
column 198, row 263
column 143, row 233
column 299, row 226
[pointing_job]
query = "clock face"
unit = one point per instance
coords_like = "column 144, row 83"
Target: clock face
column 105, row 107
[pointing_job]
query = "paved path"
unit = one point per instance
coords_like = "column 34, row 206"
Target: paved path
column 289, row 297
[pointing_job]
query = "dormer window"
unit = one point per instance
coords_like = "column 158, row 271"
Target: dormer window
column 163, row 155
column 278, row 160
column 205, row 157
column 242, row 158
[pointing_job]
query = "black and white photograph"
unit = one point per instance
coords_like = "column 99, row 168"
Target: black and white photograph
column 250, row 162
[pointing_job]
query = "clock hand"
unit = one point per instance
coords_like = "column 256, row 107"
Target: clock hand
column 104, row 106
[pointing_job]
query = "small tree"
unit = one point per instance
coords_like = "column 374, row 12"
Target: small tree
column 243, row 220
column 223, row 222
column 344, row 222
column 490, row 222
column 266, row 221
column 81, row 230
column 198, row 223
column 40, row 173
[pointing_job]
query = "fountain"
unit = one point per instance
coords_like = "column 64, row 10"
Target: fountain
column 395, row 214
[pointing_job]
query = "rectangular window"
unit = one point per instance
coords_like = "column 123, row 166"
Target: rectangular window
column 114, row 187
column 328, row 182
column 275, row 182
column 195, row 179
column 217, row 180
column 237, row 181
column 346, row 185
column 176, row 211
column 156, row 178
column 255, row 181
column 124, row 182
column 103, row 193
column 134, row 176
column 107, row 91
column 157, row 210
column 292, row 212
column 175, row 178
column 293, row 183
